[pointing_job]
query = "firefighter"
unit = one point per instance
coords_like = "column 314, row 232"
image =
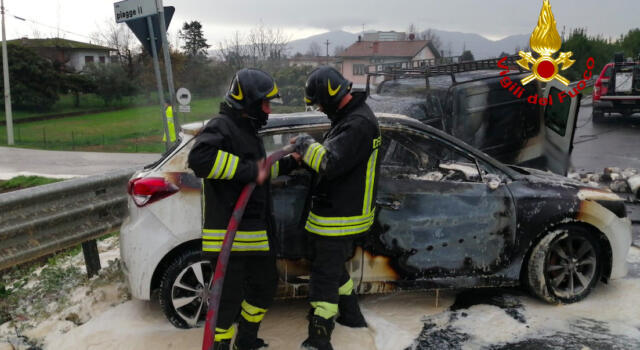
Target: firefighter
column 343, row 199
column 168, row 110
column 228, row 154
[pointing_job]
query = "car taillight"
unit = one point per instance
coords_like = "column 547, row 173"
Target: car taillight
column 597, row 90
column 147, row 190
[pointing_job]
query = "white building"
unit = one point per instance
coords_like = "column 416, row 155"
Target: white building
column 72, row 54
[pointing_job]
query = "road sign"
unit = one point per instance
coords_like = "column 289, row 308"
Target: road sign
column 140, row 28
column 131, row 9
column 183, row 96
column 184, row 109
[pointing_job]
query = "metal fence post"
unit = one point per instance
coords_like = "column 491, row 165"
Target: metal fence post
column 91, row 257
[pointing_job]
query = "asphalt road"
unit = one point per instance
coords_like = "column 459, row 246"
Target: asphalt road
column 616, row 142
column 61, row 164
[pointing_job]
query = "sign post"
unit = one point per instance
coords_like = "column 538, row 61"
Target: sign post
column 142, row 16
column 167, row 60
column 156, row 68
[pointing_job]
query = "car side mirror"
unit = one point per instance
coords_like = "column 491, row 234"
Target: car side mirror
column 492, row 181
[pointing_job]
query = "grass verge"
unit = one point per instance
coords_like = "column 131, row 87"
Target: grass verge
column 20, row 182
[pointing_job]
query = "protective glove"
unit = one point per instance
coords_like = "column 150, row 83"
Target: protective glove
column 302, row 143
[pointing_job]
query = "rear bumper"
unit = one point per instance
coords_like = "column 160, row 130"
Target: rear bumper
column 617, row 106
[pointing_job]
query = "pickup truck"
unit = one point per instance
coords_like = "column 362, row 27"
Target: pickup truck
column 617, row 90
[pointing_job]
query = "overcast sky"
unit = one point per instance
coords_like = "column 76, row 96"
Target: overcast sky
column 495, row 19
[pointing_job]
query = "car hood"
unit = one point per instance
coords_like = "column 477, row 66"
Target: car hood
column 539, row 176
column 585, row 192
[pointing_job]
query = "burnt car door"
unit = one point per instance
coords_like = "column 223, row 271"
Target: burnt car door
column 560, row 116
column 438, row 214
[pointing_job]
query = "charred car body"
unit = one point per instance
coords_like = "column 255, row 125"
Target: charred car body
column 448, row 216
column 468, row 101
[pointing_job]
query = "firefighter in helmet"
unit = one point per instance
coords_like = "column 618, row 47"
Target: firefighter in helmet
column 227, row 155
column 345, row 163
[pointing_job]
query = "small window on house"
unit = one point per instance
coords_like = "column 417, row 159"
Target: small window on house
column 88, row 59
column 359, row 69
column 102, row 59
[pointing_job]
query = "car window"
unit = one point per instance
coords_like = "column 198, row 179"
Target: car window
column 275, row 140
column 557, row 115
column 418, row 157
column 607, row 73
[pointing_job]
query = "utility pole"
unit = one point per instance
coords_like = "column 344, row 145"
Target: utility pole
column 7, row 88
column 327, row 43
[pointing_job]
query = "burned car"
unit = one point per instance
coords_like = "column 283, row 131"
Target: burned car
column 468, row 101
column 447, row 216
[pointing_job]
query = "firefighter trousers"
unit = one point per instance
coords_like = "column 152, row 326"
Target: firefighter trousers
column 329, row 276
column 249, row 288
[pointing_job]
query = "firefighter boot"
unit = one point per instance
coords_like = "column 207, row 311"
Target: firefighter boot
column 320, row 330
column 247, row 338
column 349, row 310
column 222, row 344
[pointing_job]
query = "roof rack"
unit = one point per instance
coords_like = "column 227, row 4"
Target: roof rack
column 395, row 71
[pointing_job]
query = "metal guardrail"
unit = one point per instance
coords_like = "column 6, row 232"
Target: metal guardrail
column 42, row 220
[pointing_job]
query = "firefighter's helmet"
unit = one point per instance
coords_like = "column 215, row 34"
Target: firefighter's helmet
column 326, row 87
column 249, row 88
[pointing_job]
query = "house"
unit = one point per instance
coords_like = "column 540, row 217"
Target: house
column 355, row 60
column 313, row 61
column 74, row 55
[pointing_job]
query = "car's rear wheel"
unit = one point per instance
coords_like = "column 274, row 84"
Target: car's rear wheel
column 183, row 289
column 565, row 265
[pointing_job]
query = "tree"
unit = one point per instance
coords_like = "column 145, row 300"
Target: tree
column 194, row 42
column 34, row 80
column 262, row 47
column 432, row 37
column 110, row 81
column 314, row 49
column 338, row 50
column 117, row 36
column 583, row 47
column 466, row 56
column 631, row 43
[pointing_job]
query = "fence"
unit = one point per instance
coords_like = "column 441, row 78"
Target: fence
column 42, row 220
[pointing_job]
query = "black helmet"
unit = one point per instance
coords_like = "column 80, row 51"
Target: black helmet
column 249, row 88
column 326, row 87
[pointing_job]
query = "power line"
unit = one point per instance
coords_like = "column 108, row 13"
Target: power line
column 49, row 26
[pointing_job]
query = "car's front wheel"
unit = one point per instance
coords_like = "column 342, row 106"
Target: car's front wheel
column 183, row 289
column 565, row 265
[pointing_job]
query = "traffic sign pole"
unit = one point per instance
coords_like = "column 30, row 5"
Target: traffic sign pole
column 167, row 60
column 156, row 68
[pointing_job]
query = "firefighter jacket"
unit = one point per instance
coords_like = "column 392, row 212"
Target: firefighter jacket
column 225, row 155
column 346, row 163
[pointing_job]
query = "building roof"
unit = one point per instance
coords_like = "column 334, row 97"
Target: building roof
column 58, row 43
column 405, row 48
column 312, row 58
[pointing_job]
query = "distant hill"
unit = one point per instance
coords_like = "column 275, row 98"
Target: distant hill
column 336, row 38
column 480, row 46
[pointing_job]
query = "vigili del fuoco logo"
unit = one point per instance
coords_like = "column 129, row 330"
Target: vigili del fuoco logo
column 545, row 41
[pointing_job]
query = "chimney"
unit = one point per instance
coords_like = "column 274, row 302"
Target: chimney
column 375, row 47
column 412, row 36
column 359, row 38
